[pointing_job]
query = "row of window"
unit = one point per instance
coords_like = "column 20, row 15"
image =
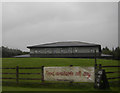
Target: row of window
column 60, row 50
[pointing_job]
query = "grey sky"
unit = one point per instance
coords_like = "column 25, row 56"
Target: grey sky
column 36, row 23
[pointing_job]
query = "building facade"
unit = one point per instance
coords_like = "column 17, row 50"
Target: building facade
column 65, row 49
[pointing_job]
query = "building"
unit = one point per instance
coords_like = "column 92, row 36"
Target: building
column 65, row 49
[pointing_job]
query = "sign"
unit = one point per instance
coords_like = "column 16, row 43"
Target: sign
column 75, row 74
column 101, row 80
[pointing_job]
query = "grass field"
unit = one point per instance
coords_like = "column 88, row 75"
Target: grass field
column 35, row 85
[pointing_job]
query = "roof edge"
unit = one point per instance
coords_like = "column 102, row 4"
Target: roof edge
column 61, row 46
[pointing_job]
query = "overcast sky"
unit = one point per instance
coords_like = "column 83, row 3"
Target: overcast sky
column 36, row 23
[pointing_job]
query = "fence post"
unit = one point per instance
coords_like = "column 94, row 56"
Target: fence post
column 95, row 60
column 100, row 66
column 71, row 82
column 42, row 79
column 95, row 68
column 71, row 65
column 17, row 74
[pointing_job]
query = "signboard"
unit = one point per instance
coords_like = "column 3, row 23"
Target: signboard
column 75, row 74
column 101, row 80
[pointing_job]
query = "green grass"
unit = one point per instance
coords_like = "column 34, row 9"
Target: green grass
column 35, row 85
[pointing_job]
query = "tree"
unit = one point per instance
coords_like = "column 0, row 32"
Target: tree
column 106, row 50
column 7, row 52
column 114, row 52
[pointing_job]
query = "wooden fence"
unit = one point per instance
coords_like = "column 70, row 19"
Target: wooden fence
column 17, row 68
column 98, row 77
column 102, row 67
column 101, row 79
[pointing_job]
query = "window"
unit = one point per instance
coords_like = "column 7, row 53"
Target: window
column 76, row 50
column 36, row 51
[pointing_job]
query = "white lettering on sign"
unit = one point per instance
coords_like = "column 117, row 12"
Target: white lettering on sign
column 75, row 74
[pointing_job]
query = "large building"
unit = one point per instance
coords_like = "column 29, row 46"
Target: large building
column 65, row 49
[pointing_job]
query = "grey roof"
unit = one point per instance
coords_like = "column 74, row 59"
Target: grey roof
column 106, row 55
column 64, row 44
column 27, row 55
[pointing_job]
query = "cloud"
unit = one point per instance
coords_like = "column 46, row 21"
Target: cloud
column 35, row 23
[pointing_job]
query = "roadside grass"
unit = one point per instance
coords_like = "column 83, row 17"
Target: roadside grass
column 30, row 86
column 36, row 85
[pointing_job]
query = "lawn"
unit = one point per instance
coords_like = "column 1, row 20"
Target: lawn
column 35, row 85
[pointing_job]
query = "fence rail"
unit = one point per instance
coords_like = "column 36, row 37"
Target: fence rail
column 23, row 78
column 30, row 67
column 7, row 78
column 7, row 68
column 20, row 73
column 113, row 72
column 100, row 67
column 23, row 68
column 109, row 66
column 114, row 78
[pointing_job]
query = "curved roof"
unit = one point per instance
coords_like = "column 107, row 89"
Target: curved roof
column 64, row 44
